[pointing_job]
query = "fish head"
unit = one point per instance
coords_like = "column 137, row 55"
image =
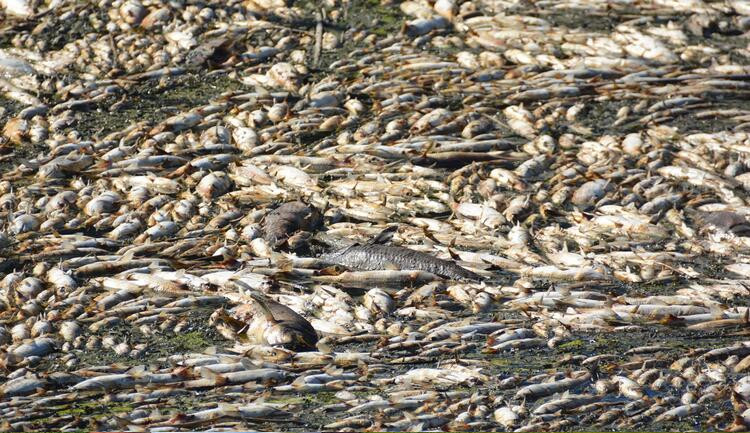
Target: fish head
column 287, row 338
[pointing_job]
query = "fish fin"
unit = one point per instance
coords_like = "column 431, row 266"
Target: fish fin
column 297, row 383
column 429, row 235
column 248, row 364
column 228, row 409
column 453, row 254
column 218, row 378
column 263, row 304
column 671, row 320
column 717, row 313
column 257, row 297
column 330, row 270
column 384, row 236
column 333, row 370
column 128, row 256
column 282, row 262
column 428, row 148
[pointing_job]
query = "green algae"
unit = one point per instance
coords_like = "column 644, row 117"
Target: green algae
column 382, row 20
column 571, row 345
column 92, row 411
column 94, row 408
column 190, row 342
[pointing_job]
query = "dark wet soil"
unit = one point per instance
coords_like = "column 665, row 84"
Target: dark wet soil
column 153, row 101
column 196, row 336
column 58, row 32
column 585, row 20
column 11, row 108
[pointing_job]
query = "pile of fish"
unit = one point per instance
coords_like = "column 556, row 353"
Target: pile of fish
column 347, row 215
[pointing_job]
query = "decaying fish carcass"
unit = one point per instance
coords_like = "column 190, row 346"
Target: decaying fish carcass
column 267, row 322
column 569, row 181
column 288, row 220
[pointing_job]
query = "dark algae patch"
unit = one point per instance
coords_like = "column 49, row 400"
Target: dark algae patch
column 58, row 32
column 380, row 19
column 87, row 413
column 91, row 408
column 195, row 337
column 10, row 106
column 370, row 15
column 153, row 101
column 582, row 20
column 600, row 115
column 55, row 30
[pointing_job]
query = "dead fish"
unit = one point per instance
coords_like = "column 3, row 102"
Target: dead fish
column 725, row 222
column 380, row 278
column 22, row 386
column 535, row 391
column 278, row 325
column 287, row 219
column 457, row 159
column 374, row 256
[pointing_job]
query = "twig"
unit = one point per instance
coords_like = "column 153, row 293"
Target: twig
column 318, row 37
